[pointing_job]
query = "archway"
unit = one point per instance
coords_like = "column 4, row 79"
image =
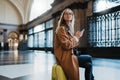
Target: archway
column 13, row 40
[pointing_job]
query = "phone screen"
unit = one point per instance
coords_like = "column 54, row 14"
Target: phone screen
column 83, row 30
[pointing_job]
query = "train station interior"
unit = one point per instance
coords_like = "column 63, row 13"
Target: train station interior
column 27, row 29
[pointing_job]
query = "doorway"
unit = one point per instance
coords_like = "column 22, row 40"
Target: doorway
column 13, row 40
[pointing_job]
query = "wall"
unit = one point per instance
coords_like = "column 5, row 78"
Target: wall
column 9, row 19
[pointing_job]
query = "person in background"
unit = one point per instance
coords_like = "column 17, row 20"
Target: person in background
column 65, row 40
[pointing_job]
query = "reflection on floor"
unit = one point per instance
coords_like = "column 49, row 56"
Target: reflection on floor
column 37, row 65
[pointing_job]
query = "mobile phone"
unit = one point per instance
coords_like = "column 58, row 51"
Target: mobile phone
column 83, row 30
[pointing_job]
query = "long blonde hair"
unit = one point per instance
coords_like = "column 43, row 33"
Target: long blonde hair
column 62, row 21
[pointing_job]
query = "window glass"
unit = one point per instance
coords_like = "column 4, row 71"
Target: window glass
column 30, row 31
column 100, row 5
column 49, row 38
column 36, row 40
column 49, row 24
column 39, row 28
column 41, row 39
column 30, row 41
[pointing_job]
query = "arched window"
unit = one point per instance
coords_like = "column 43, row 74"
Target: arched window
column 104, row 24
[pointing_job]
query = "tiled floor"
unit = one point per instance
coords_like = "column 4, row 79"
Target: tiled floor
column 37, row 65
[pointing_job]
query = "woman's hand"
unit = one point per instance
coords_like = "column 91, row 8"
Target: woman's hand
column 79, row 34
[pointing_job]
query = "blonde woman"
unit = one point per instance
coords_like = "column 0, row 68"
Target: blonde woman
column 64, row 41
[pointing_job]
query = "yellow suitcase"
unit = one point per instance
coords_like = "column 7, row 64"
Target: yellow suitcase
column 57, row 73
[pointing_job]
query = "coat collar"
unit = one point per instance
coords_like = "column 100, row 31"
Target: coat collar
column 70, row 33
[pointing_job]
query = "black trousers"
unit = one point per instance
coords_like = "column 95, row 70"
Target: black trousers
column 85, row 61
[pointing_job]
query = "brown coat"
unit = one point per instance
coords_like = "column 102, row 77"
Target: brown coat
column 63, row 44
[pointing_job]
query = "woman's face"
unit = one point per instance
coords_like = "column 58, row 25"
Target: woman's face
column 68, row 15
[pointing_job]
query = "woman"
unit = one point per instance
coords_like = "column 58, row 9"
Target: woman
column 64, row 42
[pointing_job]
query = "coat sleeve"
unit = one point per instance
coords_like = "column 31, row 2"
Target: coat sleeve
column 66, row 41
